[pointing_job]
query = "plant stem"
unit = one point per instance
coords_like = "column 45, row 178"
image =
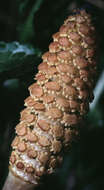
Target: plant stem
column 98, row 91
column 14, row 183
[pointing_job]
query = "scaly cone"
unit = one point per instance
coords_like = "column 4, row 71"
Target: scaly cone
column 57, row 103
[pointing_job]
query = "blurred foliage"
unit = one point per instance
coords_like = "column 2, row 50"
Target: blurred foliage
column 26, row 28
column 26, row 32
column 17, row 60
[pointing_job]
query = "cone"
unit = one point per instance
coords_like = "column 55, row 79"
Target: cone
column 58, row 101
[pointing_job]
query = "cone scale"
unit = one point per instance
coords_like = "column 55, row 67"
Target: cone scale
column 58, row 101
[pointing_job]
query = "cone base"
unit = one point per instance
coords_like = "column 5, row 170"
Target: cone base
column 13, row 182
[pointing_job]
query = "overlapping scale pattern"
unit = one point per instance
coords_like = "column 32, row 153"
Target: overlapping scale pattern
column 58, row 100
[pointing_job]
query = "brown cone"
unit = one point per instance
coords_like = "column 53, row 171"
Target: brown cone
column 58, row 100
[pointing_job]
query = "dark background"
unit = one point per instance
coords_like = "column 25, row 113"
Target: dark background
column 32, row 23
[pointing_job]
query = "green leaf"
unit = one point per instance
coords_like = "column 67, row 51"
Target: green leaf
column 22, row 6
column 27, row 28
column 16, row 60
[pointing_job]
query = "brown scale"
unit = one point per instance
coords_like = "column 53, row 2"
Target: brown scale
column 57, row 131
column 27, row 116
column 41, row 78
column 31, row 137
column 56, row 36
column 56, row 146
column 21, row 129
column 52, row 59
column 67, row 136
column 62, row 103
column 21, row 147
column 65, row 79
column 47, row 72
column 58, row 99
column 70, row 119
column 43, row 157
column 30, row 169
column 20, row 165
column 31, row 153
column 74, row 37
column 64, row 43
column 54, row 47
column 47, row 99
column 53, row 85
column 13, row 158
column 15, row 142
column 45, row 126
column 36, row 91
column 63, row 69
column 52, row 162
column 64, row 56
column 54, row 113
column 63, row 30
column 69, row 92
column 76, row 50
